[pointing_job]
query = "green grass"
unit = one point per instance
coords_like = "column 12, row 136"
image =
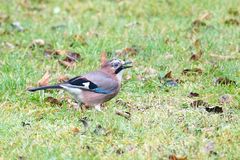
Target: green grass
column 168, row 124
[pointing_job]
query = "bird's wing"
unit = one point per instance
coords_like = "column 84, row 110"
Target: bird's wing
column 94, row 81
column 103, row 80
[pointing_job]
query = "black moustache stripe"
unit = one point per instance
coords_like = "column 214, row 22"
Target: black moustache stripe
column 119, row 69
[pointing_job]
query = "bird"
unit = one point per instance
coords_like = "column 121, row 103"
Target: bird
column 94, row 88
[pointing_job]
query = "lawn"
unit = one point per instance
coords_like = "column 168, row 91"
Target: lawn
column 182, row 94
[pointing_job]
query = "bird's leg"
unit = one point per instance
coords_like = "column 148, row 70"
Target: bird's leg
column 98, row 107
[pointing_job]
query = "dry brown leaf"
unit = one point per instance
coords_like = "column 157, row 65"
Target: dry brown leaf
column 122, row 103
column 53, row 101
column 75, row 130
column 208, row 107
column 62, row 78
column 193, row 94
column 198, row 23
column 205, row 16
column 9, row 45
column 196, row 56
column 66, row 63
column 177, row 157
column 193, row 71
column 225, row 81
column 199, row 103
column 124, row 114
column 197, row 44
column 37, row 42
column 168, row 75
column 44, row 80
column 55, row 52
column 72, row 57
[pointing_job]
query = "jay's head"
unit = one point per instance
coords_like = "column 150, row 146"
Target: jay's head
column 116, row 66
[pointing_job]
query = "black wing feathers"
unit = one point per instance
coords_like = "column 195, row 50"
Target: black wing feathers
column 78, row 81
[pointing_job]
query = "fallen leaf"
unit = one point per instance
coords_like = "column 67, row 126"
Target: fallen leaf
column 124, row 114
column 62, row 78
column 44, row 80
column 37, row 42
column 168, row 75
column 72, row 56
column 193, row 94
column 215, row 109
column 208, row 107
column 205, row 16
column 168, row 80
column 66, row 63
column 177, row 157
column 122, row 103
column 197, row 44
column 54, row 53
column 70, row 60
column 194, row 71
column 196, row 56
column 198, row 23
column 199, row 103
column 9, row 45
column 225, row 81
column 225, row 99
column 128, row 77
column 232, row 21
column 75, row 130
column 53, row 101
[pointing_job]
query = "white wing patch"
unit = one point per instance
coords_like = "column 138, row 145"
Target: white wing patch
column 86, row 85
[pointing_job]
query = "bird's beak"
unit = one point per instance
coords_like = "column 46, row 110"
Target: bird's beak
column 127, row 64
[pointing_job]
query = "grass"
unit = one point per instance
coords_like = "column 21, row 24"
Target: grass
column 164, row 124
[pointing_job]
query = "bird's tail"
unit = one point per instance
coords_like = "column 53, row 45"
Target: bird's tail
column 44, row 87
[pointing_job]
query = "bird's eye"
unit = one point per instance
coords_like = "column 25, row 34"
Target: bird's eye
column 116, row 64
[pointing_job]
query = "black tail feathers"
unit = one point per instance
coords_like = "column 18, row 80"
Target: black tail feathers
column 44, row 87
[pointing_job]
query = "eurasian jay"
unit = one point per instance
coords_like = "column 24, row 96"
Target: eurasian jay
column 94, row 88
